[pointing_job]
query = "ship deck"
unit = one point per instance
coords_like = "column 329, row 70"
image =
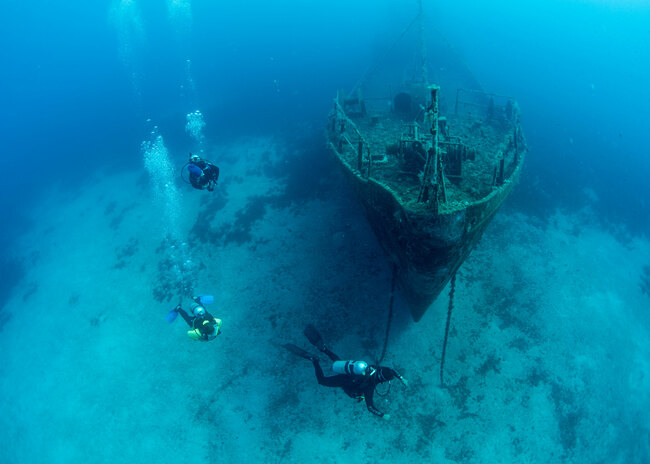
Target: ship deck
column 489, row 139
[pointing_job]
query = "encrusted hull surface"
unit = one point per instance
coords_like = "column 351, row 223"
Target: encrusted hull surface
column 426, row 248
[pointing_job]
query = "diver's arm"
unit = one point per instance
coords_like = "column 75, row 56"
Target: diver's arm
column 401, row 379
column 368, row 395
column 392, row 373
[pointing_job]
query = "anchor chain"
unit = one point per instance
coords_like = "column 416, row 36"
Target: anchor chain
column 390, row 314
column 444, row 344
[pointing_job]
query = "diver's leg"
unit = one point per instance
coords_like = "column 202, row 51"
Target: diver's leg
column 213, row 173
column 204, row 181
column 332, row 356
column 186, row 317
column 316, row 339
column 333, row 381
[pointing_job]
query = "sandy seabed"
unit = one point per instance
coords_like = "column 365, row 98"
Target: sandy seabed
column 548, row 358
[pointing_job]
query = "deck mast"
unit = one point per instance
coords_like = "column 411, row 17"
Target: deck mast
column 432, row 187
column 423, row 72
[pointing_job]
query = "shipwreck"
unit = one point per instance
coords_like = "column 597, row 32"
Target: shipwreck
column 431, row 163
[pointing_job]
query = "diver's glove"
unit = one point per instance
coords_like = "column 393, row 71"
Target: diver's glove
column 403, row 380
column 386, row 416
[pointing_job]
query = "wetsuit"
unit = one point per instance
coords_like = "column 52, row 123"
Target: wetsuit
column 200, row 330
column 203, row 175
column 356, row 386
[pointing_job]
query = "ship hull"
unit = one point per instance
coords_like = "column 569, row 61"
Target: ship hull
column 426, row 247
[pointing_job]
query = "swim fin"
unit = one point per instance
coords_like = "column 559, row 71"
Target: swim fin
column 314, row 337
column 171, row 315
column 205, row 299
column 299, row 351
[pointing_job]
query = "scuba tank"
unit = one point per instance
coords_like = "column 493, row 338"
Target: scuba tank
column 350, row 367
column 198, row 310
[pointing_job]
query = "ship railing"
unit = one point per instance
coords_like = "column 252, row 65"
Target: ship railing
column 490, row 106
column 341, row 119
column 510, row 158
column 495, row 107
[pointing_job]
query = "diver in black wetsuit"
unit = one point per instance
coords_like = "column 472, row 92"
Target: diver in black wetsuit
column 357, row 379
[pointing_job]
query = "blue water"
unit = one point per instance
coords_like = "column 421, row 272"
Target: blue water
column 83, row 83
column 578, row 70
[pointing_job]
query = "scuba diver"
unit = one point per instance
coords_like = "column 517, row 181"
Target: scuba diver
column 203, row 174
column 356, row 378
column 204, row 326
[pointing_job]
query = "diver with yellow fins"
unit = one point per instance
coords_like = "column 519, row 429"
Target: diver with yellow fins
column 203, row 325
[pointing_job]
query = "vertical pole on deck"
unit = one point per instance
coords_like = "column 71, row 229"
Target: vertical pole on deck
column 441, row 180
column 360, row 155
column 431, row 164
column 502, row 162
column 516, row 140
